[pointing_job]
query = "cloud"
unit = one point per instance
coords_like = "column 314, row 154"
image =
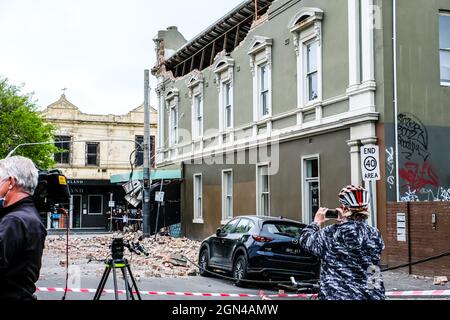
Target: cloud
column 97, row 49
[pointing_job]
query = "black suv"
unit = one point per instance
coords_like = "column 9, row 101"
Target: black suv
column 253, row 245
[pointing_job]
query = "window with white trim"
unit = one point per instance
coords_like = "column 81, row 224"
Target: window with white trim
column 173, row 125
column 227, row 195
column 195, row 86
column 260, row 51
column 311, row 70
column 311, row 185
column 264, row 101
column 263, row 192
column 198, row 198
column 198, row 116
column 306, row 28
column 224, row 73
column 227, row 106
column 444, row 47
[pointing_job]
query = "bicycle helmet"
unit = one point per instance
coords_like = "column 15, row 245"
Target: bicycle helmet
column 355, row 199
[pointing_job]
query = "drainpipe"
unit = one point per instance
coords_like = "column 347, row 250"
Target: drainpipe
column 408, row 226
column 394, row 40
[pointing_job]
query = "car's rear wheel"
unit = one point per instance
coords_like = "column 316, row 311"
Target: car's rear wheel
column 240, row 271
column 203, row 262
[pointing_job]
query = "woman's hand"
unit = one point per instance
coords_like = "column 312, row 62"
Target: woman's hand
column 340, row 215
column 320, row 218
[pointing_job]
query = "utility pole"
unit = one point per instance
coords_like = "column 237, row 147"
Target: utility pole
column 147, row 181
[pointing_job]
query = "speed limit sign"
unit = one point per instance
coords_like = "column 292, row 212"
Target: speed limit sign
column 370, row 163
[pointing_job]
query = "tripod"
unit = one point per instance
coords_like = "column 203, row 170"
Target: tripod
column 122, row 264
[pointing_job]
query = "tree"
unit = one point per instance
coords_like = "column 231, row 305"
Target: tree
column 20, row 122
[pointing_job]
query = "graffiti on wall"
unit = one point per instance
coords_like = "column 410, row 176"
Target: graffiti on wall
column 390, row 167
column 412, row 136
column 418, row 176
column 410, row 196
column 441, row 194
column 420, row 181
column 426, row 194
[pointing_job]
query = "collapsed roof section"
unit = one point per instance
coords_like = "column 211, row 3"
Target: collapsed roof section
column 224, row 35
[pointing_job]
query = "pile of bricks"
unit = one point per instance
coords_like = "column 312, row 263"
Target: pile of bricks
column 166, row 254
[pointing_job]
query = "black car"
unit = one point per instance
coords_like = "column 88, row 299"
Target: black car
column 253, row 245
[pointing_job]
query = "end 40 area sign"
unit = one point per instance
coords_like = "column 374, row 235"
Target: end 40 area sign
column 370, row 163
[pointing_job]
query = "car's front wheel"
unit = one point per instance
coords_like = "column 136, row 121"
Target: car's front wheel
column 240, row 271
column 203, row 262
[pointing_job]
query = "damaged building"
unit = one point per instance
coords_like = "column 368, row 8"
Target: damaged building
column 266, row 111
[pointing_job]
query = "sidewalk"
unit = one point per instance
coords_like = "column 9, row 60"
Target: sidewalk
column 402, row 281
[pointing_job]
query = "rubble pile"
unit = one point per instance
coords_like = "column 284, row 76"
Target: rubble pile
column 166, row 254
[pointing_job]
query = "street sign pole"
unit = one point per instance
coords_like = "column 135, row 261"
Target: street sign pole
column 370, row 166
column 372, row 207
column 111, row 208
column 146, row 203
column 159, row 206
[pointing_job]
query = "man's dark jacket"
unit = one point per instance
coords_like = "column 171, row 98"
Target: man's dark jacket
column 22, row 237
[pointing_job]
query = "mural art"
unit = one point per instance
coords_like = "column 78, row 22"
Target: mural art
column 419, row 180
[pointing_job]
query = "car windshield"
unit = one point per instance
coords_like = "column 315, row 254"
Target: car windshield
column 283, row 229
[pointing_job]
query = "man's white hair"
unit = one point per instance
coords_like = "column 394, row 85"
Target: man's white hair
column 23, row 170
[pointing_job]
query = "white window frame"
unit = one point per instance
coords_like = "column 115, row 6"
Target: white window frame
column 306, row 74
column 225, row 106
column 307, row 216
column 305, row 33
column 195, row 86
column 262, row 91
column 224, row 70
column 171, row 101
column 260, row 51
column 443, row 83
column 225, row 195
column 259, row 190
column 197, row 118
column 173, row 132
column 198, row 212
column 89, row 202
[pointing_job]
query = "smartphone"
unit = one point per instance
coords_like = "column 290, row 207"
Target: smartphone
column 332, row 214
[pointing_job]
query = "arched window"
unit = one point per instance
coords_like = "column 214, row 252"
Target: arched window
column 260, row 52
column 306, row 27
column 224, row 71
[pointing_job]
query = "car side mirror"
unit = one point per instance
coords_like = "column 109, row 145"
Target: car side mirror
column 218, row 232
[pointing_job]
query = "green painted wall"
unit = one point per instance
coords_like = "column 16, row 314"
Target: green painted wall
column 285, row 185
column 420, row 91
column 284, row 77
column 423, row 104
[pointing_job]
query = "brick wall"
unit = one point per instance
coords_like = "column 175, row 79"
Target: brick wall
column 425, row 241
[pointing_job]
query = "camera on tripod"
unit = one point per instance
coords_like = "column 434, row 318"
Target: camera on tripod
column 118, row 261
column 118, row 246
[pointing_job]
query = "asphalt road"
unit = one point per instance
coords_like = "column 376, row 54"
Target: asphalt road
column 91, row 276
column 195, row 284
column 88, row 275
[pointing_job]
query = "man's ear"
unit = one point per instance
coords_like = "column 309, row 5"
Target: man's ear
column 12, row 182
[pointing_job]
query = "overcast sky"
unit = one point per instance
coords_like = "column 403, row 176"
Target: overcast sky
column 98, row 49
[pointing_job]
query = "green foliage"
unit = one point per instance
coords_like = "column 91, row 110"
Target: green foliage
column 20, row 122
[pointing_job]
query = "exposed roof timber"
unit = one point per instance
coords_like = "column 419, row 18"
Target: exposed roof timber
column 237, row 21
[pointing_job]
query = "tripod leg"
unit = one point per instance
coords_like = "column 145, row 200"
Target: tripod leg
column 102, row 283
column 129, row 291
column 134, row 282
column 116, row 295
